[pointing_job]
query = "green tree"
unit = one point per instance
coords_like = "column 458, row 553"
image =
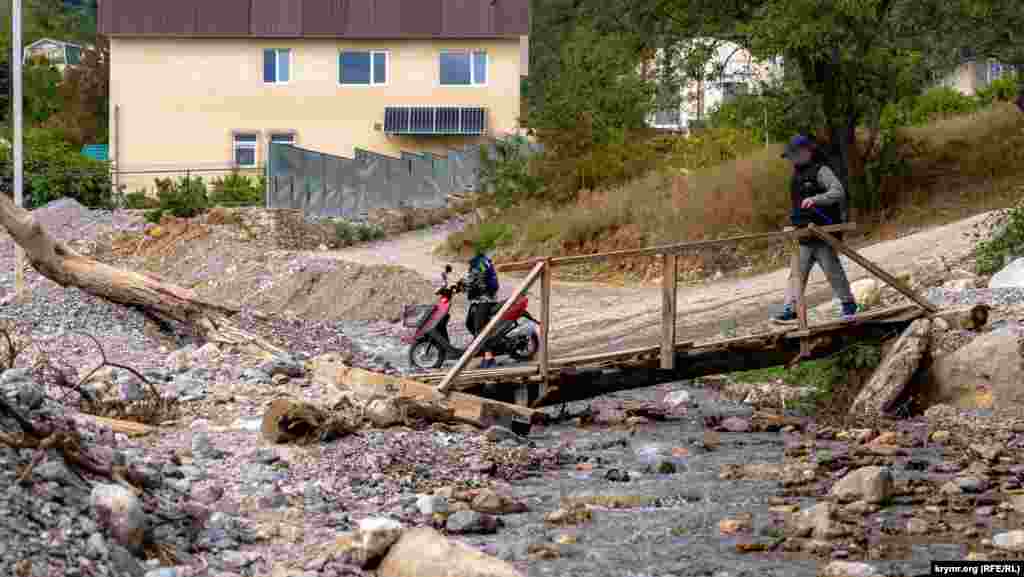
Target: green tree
column 853, row 57
column 599, row 81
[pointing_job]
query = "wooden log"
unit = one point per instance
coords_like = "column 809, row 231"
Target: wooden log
column 368, row 385
column 130, row 428
column 969, row 318
column 56, row 261
column 874, row 269
column 480, row 339
column 669, row 297
column 677, row 248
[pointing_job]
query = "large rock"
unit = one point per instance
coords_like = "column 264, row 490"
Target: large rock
column 427, row 553
column 993, row 361
column 871, row 484
column 1012, row 276
column 120, row 511
column 818, row 521
column 367, row 544
column 895, row 371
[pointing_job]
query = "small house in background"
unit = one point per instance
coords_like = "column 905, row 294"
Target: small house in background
column 57, row 53
column 731, row 72
column 976, row 74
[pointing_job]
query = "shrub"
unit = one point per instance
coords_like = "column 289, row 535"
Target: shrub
column 1003, row 89
column 184, row 198
column 55, row 169
column 507, row 175
column 349, row 233
column 935, row 104
column 237, row 190
column 777, row 115
column 995, row 253
column 139, row 200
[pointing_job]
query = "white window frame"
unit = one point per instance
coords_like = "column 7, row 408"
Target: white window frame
column 237, row 144
column 277, row 66
column 373, row 69
column 472, row 68
column 290, row 136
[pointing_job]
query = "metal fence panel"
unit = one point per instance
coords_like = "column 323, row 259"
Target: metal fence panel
column 329, row 185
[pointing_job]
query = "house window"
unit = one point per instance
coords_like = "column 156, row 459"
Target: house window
column 365, row 68
column 463, row 68
column 245, row 150
column 288, row 139
column 277, row 65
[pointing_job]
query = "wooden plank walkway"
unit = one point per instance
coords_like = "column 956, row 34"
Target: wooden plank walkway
column 581, row 377
column 766, row 341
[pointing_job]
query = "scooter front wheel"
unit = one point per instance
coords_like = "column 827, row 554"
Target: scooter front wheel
column 425, row 355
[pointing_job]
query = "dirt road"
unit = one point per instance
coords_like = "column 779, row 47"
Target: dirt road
column 593, row 318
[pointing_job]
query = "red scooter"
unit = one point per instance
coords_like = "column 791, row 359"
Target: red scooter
column 430, row 345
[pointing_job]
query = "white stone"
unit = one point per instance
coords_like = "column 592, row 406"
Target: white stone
column 1012, row 541
column 871, row 484
column 678, row 399
column 1012, row 276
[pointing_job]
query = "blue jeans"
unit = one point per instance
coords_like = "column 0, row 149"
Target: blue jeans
column 820, row 252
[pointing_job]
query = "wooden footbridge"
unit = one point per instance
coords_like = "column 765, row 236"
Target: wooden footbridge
column 555, row 380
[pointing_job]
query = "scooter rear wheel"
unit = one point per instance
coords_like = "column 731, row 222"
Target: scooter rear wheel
column 527, row 353
column 425, row 355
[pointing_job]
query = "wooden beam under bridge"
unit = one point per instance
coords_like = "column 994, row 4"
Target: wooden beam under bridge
column 579, row 381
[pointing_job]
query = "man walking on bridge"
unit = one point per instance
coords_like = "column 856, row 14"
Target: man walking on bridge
column 818, row 197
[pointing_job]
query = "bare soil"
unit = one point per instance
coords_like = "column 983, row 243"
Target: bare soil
column 594, row 318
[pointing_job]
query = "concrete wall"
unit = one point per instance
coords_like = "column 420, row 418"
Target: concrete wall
column 179, row 101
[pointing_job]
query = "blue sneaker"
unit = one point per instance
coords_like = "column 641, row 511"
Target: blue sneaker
column 849, row 311
column 786, row 317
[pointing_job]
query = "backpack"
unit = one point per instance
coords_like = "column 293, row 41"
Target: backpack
column 491, row 276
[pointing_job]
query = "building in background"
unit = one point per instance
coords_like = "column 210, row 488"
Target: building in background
column 212, row 83
column 57, row 53
column 731, row 72
column 974, row 75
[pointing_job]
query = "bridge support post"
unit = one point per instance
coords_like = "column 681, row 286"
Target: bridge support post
column 543, row 354
column 799, row 304
column 669, row 298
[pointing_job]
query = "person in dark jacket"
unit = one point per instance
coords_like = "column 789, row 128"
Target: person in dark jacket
column 481, row 282
column 817, row 197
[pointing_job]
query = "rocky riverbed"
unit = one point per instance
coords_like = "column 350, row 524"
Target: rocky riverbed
column 708, row 478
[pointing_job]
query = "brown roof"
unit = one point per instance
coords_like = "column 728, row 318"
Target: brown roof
column 326, row 18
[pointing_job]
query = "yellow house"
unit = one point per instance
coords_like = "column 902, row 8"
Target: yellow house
column 206, row 85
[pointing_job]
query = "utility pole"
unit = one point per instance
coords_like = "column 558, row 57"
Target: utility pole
column 16, row 61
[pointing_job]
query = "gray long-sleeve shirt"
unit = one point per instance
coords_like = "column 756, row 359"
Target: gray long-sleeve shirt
column 834, row 192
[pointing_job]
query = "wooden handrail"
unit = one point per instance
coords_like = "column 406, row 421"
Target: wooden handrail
column 671, row 248
column 478, row 342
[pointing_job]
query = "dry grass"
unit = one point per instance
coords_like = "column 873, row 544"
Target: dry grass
column 955, row 168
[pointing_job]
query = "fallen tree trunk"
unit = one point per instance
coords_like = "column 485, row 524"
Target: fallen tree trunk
column 58, row 262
